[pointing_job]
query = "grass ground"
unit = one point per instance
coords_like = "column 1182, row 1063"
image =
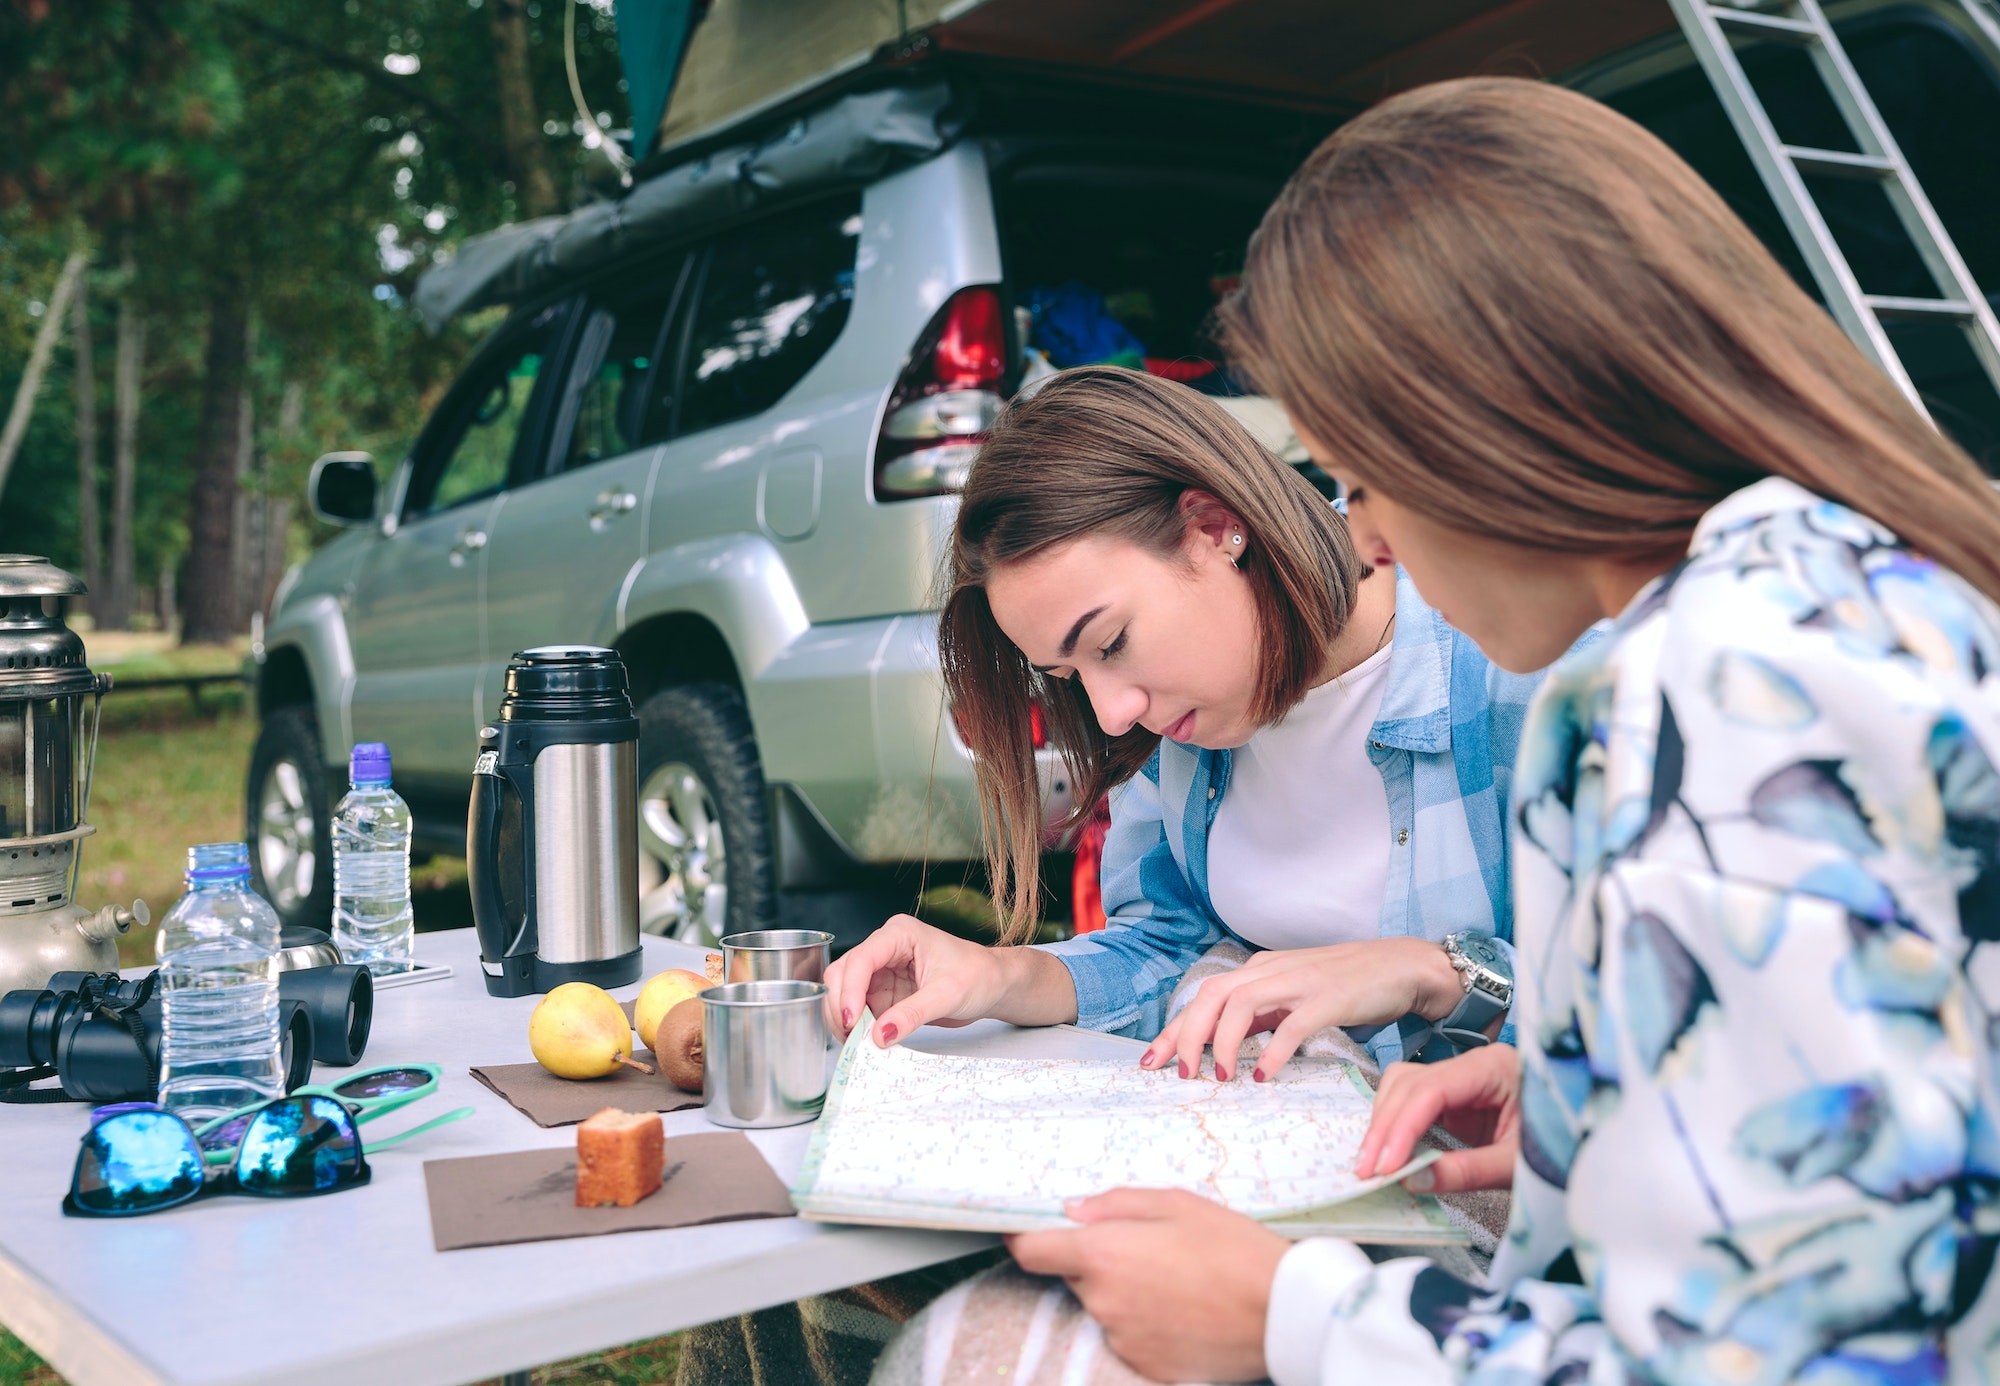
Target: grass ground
column 170, row 773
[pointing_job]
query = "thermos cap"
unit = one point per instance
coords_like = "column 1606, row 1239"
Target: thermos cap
column 566, row 683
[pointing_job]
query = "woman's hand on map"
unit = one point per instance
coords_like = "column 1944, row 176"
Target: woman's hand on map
column 1179, row 1285
column 1475, row 1096
column 910, row 974
column 1297, row 992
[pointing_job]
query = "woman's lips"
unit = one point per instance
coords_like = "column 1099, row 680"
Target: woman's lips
column 1181, row 730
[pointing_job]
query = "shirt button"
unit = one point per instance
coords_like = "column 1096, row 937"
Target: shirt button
column 1376, row 744
column 1211, row 791
column 1403, row 837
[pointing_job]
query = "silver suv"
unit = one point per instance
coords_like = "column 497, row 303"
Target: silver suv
column 732, row 459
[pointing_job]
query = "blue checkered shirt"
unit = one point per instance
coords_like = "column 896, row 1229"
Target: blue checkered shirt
column 1444, row 742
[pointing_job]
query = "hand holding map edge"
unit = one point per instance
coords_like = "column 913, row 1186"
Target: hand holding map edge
column 1475, row 1096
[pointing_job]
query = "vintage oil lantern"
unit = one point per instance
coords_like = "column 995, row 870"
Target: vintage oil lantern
column 49, row 705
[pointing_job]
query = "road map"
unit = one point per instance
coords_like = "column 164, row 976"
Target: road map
column 940, row 1140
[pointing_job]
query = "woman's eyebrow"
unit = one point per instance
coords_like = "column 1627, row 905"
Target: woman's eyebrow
column 1068, row 647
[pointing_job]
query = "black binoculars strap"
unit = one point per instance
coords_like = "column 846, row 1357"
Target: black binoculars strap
column 14, row 1086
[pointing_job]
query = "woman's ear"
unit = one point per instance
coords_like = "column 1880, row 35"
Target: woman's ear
column 1211, row 525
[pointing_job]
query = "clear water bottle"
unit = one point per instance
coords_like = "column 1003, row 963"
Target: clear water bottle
column 372, row 921
column 221, row 1049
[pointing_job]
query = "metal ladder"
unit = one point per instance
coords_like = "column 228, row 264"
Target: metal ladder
column 1783, row 167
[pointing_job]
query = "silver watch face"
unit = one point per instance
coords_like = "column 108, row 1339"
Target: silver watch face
column 1482, row 952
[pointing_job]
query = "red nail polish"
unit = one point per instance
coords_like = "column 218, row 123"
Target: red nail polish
column 888, row 1034
column 1256, row 1075
column 1184, row 1070
column 847, row 1018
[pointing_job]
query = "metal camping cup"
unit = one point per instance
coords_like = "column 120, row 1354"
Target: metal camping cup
column 776, row 955
column 764, row 1059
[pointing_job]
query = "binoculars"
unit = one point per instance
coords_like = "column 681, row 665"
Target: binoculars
column 101, row 1034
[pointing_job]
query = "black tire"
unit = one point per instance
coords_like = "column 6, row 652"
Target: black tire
column 705, row 728
column 302, row 894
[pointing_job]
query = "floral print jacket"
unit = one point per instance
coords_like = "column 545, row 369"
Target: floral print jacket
column 1757, row 847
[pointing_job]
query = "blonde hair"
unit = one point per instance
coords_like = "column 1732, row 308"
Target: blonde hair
column 1513, row 309
column 1111, row 452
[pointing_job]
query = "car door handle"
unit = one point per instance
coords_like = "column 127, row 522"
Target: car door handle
column 610, row 505
column 470, row 541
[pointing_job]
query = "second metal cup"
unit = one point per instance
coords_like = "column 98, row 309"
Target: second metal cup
column 764, row 1059
column 776, row 955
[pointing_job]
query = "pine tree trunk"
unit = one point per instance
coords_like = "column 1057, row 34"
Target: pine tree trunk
column 208, row 601
column 88, row 527
column 520, row 123
column 121, row 577
column 16, row 427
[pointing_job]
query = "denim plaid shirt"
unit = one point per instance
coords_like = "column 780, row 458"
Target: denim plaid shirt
column 1444, row 743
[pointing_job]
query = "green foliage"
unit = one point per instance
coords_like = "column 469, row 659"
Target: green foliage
column 280, row 151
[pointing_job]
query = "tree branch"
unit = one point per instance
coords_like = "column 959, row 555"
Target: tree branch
column 376, row 75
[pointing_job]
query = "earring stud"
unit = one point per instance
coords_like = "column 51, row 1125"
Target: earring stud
column 1235, row 538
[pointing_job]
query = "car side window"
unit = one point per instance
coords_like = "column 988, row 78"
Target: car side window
column 615, row 366
column 773, row 299
column 472, row 454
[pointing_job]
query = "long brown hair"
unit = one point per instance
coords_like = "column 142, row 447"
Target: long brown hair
column 1513, row 309
column 1110, row 452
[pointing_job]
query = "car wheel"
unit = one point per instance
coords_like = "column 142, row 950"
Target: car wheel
column 289, row 825
column 704, row 838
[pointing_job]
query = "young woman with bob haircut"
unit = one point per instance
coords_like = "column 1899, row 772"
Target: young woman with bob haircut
column 1751, row 1126
column 1302, row 757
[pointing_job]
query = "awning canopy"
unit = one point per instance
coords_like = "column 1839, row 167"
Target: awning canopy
column 749, row 56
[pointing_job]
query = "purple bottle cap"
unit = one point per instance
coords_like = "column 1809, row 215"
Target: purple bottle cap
column 370, row 764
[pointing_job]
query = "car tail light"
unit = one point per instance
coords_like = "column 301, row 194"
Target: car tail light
column 946, row 400
column 1038, row 727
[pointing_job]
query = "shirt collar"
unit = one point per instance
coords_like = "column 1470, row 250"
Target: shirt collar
column 1416, row 704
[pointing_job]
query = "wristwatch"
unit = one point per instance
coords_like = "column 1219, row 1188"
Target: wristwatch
column 1489, row 988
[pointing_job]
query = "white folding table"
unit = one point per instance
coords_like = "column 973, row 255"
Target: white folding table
column 346, row 1289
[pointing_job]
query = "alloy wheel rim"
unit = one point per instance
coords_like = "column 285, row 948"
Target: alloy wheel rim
column 285, row 835
column 684, row 890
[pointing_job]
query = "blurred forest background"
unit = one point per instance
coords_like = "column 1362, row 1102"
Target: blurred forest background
column 212, row 218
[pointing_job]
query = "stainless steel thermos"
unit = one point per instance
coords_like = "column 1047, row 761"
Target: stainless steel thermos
column 552, row 838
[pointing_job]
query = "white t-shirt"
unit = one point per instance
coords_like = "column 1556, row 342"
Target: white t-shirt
column 1299, row 853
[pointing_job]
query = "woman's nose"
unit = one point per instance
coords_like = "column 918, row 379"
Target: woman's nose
column 1118, row 705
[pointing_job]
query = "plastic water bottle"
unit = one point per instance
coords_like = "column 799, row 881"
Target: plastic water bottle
column 372, row 921
column 217, row 947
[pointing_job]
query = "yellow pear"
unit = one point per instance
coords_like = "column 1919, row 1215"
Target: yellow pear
column 578, row 1031
column 662, row 994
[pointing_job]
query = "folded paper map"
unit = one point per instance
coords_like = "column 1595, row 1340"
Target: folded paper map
column 999, row 1145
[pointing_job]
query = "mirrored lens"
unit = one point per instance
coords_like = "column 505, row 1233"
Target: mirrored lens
column 137, row 1161
column 383, row 1082
column 300, row 1145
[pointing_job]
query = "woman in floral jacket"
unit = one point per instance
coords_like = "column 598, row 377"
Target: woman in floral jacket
column 1751, row 1128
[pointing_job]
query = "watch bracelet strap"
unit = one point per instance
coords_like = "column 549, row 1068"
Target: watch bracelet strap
column 1466, row 1025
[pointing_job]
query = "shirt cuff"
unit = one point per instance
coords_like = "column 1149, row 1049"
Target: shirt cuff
column 1314, row 1276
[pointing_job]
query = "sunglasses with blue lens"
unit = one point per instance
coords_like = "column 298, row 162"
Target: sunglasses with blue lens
column 136, row 1162
column 139, row 1159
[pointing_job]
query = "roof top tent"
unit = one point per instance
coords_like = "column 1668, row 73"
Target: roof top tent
column 779, row 95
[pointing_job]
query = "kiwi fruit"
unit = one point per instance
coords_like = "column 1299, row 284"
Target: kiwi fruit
column 677, row 1045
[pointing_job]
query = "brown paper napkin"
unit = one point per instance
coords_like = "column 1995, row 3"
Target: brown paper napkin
column 530, row 1195
column 548, row 1100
